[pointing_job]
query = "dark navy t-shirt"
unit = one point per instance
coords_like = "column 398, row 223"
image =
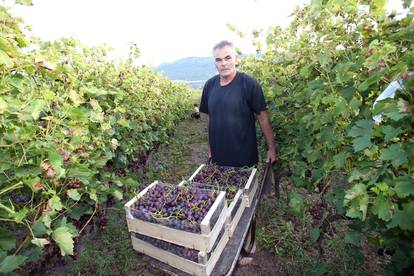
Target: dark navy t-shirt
column 231, row 109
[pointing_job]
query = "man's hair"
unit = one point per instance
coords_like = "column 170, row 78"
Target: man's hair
column 223, row 44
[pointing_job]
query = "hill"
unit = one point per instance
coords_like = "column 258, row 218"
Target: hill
column 193, row 70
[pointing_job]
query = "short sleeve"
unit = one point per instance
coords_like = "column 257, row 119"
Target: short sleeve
column 204, row 99
column 255, row 96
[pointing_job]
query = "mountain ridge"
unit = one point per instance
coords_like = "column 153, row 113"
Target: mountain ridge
column 195, row 71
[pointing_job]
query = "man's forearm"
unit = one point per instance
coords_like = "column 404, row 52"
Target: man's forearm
column 208, row 142
column 267, row 130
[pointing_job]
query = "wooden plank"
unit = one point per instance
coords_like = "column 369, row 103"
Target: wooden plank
column 201, row 242
column 214, row 257
column 232, row 222
column 248, row 199
column 196, row 172
column 128, row 205
column 217, row 207
column 168, row 257
column 250, row 182
column 180, row 262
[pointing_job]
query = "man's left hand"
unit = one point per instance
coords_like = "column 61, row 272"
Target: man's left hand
column 271, row 156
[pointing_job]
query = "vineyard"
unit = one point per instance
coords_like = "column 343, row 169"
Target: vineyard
column 77, row 129
column 321, row 77
column 74, row 126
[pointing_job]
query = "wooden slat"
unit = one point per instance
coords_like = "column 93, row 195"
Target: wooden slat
column 196, row 172
column 215, row 208
column 233, row 222
column 250, row 182
column 168, row 257
column 180, row 262
column 134, row 199
column 248, row 198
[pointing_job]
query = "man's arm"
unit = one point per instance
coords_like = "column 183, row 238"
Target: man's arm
column 208, row 142
column 268, row 133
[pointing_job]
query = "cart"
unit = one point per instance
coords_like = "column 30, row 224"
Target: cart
column 230, row 255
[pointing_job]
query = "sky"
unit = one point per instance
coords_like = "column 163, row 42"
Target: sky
column 164, row 30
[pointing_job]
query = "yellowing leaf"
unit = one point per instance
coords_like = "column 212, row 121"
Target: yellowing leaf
column 64, row 239
column 36, row 108
column 117, row 194
column 54, row 203
column 73, row 194
column 24, row 2
column 40, row 242
column 5, row 59
column 3, row 106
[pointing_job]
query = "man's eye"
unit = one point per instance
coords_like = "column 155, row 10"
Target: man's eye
column 227, row 58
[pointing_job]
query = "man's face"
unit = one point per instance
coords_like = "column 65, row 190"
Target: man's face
column 225, row 61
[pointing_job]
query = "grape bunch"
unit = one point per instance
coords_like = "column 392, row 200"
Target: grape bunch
column 229, row 179
column 185, row 252
column 317, row 211
column 177, row 207
column 20, row 199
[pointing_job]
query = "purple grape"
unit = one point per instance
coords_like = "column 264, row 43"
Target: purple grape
column 178, row 207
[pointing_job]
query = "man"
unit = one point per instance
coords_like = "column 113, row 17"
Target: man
column 232, row 100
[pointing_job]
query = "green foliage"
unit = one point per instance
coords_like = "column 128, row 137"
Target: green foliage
column 69, row 117
column 321, row 77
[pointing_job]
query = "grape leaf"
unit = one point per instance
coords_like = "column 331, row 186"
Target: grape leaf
column 378, row 6
column 391, row 132
column 354, row 237
column 55, row 204
column 355, row 191
column 362, row 132
column 64, row 239
column 404, row 186
column 361, row 143
column 356, row 199
column 5, row 60
column 7, row 240
column 295, row 203
column 38, row 228
column 117, row 194
column 3, row 105
column 57, row 162
column 21, row 215
column 395, row 154
column 314, row 234
column 395, row 114
column 73, row 194
column 403, row 218
column 382, row 208
column 24, row 2
column 361, row 128
column 36, row 108
column 40, row 242
column 11, row 263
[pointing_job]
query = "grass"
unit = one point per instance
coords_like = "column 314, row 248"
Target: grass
column 288, row 237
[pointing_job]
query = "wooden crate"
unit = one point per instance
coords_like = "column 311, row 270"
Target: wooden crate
column 203, row 241
column 242, row 199
column 203, row 267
